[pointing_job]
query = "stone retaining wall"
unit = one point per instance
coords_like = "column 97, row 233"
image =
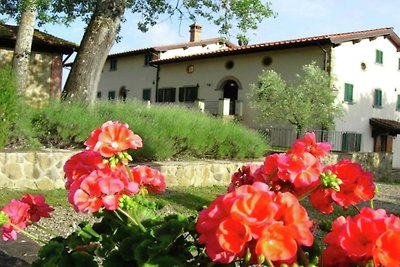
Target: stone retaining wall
column 44, row 170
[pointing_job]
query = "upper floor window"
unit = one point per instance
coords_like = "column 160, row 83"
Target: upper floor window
column 188, row 94
column 147, row 58
column 398, row 64
column 111, row 95
column 166, row 95
column 113, row 64
column 377, row 98
column 398, row 103
column 348, row 92
column 379, row 57
column 146, row 94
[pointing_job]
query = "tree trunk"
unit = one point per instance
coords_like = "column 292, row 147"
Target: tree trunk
column 99, row 37
column 23, row 46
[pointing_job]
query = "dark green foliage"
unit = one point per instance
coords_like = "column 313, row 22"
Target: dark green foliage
column 117, row 241
column 168, row 132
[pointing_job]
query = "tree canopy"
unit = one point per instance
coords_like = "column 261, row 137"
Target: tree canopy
column 105, row 16
column 307, row 102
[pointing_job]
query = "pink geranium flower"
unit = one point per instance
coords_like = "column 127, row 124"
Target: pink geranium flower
column 112, row 138
column 18, row 214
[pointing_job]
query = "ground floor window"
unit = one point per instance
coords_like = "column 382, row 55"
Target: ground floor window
column 146, row 96
column 166, row 95
column 188, row 94
column 111, row 95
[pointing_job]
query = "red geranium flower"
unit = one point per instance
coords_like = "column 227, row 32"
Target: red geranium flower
column 386, row 250
column 112, row 138
column 38, row 207
column 308, row 144
column 80, row 165
column 150, row 178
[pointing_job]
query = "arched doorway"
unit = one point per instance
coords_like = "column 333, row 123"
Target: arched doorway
column 231, row 89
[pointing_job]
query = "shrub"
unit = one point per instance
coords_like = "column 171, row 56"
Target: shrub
column 8, row 103
column 168, row 131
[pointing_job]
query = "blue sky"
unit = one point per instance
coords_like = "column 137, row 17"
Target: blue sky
column 295, row 19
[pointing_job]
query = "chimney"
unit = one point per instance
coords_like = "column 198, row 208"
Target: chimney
column 195, row 32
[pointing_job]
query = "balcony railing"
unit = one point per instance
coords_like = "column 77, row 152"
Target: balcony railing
column 340, row 140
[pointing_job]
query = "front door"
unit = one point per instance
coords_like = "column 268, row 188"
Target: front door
column 231, row 92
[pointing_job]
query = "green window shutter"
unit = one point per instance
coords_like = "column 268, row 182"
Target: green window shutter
column 146, row 95
column 182, row 94
column 379, row 57
column 378, row 98
column 348, row 92
column 398, row 103
column 111, row 95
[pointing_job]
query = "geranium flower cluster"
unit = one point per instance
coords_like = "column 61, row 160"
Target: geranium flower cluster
column 242, row 224
column 18, row 214
column 371, row 235
column 300, row 171
column 99, row 176
column 255, row 221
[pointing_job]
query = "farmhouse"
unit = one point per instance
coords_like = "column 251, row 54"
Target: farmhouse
column 46, row 62
column 215, row 76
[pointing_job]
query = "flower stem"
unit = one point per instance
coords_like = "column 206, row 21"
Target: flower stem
column 128, row 170
column 133, row 219
column 303, row 257
column 33, row 237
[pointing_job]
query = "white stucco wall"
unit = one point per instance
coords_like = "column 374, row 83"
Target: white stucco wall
column 131, row 73
column 210, row 73
column 190, row 50
column 347, row 59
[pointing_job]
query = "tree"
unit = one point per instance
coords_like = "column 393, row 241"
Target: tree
column 23, row 45
column 309, row 102
column 83, row 80
column 105, row 16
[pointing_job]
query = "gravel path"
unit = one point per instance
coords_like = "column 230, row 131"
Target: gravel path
column 22, row 252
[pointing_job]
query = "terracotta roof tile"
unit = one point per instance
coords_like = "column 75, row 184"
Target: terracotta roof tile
column 41, row 41
column 170, row 47
column 332, row 39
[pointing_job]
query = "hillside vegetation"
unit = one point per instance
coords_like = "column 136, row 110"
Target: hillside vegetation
column 168, row 131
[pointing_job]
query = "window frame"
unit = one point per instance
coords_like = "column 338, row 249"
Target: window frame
column 348, row 93
column 188, row 94
column 379, row 57
column 112, row 95
column 377, row 98
column 398, row 103
column 166, row 95
column 113, row 64
column 149, row 94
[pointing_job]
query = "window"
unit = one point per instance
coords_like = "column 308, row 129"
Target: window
column 398, row 103
column 351, row 142
column 379, row 57
column 188, row 94
column 147, row 59
column 166, row 95
column 348, row 92
column 113, row 64
column 111, row 95
column 146, row 94
column 378, row 98
column 99, row 95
